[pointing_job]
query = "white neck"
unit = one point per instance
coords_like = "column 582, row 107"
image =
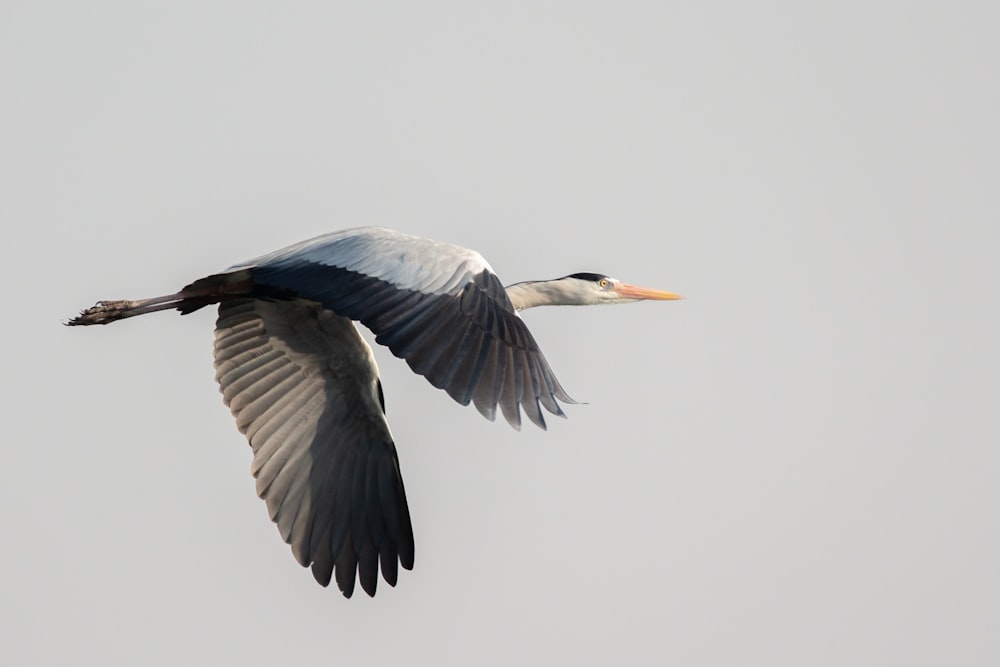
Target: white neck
column 543, row 293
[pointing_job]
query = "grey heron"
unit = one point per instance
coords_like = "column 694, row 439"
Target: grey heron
column 304, row 387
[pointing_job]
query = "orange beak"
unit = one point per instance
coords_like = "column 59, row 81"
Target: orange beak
column 636, row 292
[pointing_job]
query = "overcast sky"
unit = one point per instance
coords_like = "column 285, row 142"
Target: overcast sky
column 796, row 465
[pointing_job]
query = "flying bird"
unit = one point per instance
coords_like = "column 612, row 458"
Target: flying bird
column 304, row 387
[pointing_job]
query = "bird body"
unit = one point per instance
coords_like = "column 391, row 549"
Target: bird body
column 304, row 387
column 405, row 261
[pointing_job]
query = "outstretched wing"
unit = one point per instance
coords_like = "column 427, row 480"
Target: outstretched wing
column 304, row 388
column 436, row 305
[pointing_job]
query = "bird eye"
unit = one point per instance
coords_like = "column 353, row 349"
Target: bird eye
column 604, row 282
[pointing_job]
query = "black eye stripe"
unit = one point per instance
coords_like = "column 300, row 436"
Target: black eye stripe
column 593, row 277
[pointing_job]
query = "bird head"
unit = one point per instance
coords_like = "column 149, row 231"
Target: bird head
column 597, row 288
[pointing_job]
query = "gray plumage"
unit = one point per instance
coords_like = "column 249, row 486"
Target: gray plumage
column 304, row 387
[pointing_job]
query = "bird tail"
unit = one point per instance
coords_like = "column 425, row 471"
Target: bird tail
column 200, row 293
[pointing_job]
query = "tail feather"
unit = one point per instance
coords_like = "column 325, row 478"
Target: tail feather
column 198, row 294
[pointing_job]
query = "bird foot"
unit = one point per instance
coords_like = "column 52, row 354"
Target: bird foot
column 103, row 312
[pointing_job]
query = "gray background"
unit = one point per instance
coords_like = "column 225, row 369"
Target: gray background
column 797, row 465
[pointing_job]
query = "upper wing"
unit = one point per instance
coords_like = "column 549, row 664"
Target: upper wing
column 304, row 388
column 438, row 306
